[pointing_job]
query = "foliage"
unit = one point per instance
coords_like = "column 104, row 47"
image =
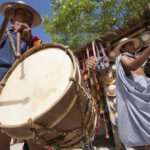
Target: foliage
column 75, row 22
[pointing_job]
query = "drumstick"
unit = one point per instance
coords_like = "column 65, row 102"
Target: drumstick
column 8, row 14
column 106, row 127
column 13, row 102
column 93, row 90
column 97, row 86
column 84, row 73
column 18, row 54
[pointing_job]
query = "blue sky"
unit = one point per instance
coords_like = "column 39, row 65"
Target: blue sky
column 42, row 7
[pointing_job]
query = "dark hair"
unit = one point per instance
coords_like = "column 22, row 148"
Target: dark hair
column 124, row 45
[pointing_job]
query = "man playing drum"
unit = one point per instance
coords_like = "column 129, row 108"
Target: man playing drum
column 133, row 94
column 23, row 20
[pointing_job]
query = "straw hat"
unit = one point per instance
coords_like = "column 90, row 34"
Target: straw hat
column 111, row 90
column 113, row 67
column 112, row 56
column 124, row 41
column 108, row 78
column 145, row 37
column 21, row 4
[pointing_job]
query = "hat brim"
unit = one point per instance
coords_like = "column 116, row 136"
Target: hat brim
column 110, row 94
column 147, row 42
column 135, row 41
column 108, row 81
column 15, row 5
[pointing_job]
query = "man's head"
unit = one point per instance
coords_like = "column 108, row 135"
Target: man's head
column 127, row 45
column 23, row 13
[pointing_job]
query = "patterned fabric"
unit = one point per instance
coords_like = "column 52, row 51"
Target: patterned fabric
column 133, row 106
column 36, row 41
column 91, row 63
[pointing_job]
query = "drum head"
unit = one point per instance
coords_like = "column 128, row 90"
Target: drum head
column 35, row 85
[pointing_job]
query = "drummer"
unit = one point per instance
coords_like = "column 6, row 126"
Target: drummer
column 24, row 18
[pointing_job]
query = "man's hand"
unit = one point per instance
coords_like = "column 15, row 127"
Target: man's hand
column 25, row 31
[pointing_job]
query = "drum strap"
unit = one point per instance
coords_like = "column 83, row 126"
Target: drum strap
column 11, row 41
column 59, row 141
column 35, row 127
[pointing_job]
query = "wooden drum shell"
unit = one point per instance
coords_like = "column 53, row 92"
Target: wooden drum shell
column 72, row 120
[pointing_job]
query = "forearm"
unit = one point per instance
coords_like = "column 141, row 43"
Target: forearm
column 29, row 41
column 138, row 62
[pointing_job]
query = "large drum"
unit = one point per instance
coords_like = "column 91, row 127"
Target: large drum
column 44, row 99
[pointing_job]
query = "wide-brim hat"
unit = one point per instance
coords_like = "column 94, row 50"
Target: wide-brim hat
column 124, row 41
column 112, row 56
column 111, row 90
column 108, row 80
column 19, row 4
column 113, row 68
column 145, row 37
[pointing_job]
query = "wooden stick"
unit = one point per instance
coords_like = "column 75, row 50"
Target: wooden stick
column 18, row 54
column 8, row 14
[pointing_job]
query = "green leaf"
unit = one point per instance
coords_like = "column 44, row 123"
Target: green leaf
column 76, row 22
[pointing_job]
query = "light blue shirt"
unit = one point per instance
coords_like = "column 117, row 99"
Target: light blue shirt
column 7, row 57
column 133, row 107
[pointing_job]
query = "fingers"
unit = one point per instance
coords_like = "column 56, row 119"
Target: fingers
column 24, row 29
column 26, row 34
column 19, row 27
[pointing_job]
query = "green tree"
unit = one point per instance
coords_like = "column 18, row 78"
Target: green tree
column 75, row 22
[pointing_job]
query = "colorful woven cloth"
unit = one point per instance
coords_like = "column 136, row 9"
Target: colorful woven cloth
column 36, row 41
column 91, row 63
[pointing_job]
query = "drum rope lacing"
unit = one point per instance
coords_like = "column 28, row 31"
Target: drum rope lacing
column 55, row 143
column 85, row 92
column 85, row 133
column 37, row 138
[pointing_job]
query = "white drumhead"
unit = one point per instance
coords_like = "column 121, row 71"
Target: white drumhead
column 35, row 85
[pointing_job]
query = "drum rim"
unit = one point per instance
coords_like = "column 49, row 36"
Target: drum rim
column 24, row 56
